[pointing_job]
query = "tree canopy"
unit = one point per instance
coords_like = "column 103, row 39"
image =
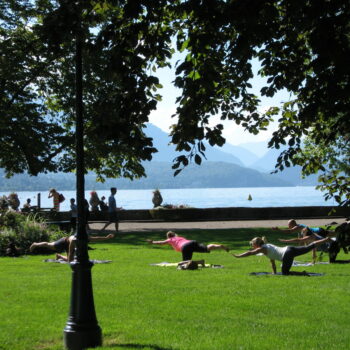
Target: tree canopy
column 302, row 47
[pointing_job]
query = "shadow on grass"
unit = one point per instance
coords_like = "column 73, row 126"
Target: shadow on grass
column 234, row 238
column 138, row 346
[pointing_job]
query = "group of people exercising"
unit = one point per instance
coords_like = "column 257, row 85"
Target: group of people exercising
column 312, row 237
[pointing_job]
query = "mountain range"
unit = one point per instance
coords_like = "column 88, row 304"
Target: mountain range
column 245, row 165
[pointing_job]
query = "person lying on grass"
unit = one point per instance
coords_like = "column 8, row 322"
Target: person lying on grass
column 307, row 238
column 66, row 244
column 187, row 247
column 284, row 254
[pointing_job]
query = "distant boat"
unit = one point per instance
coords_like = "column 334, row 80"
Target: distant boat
column 250, row 197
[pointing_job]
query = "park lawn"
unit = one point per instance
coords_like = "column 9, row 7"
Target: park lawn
column 139, row 306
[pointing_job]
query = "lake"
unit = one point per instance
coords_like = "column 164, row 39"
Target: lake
column 200, row 197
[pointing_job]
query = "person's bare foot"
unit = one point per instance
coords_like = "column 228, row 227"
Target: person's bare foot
column 201, row 262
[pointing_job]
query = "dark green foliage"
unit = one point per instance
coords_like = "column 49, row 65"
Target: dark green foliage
column 302, row 48
column 23, row 230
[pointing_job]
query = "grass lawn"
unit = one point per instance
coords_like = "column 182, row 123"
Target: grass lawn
column 147, row 307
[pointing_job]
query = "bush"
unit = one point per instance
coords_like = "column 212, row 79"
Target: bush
column 24, row 230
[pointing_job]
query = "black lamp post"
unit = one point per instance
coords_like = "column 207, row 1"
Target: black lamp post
column 82, row 330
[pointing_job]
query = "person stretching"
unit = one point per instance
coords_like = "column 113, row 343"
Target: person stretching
column 293, row 226
column 66, row 244
column 187, row 247
column 307, row 238
column 284, row 254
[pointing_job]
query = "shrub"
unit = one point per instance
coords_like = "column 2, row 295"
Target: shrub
column 24, row 230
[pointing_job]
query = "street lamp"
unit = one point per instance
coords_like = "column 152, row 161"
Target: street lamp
column 82, row 330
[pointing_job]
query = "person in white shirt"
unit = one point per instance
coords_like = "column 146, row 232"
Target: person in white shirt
column 284, row 254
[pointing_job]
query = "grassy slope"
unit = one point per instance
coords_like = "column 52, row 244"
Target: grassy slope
column 160, row 308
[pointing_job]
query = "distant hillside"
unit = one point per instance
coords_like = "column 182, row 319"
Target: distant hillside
column 159, row 175
column 166, row 151
column 244, row 155
column 293, row 174
column 258, row 148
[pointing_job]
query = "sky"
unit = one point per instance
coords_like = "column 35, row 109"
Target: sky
column 233, row 133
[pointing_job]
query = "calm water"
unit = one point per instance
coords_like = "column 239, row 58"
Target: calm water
column 200, row 197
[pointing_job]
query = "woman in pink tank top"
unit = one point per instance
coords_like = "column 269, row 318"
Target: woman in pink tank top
column 187, row 247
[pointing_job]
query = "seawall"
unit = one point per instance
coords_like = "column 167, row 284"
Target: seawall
column 209, row 214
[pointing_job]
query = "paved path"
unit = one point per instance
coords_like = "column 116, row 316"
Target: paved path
column 209, row 225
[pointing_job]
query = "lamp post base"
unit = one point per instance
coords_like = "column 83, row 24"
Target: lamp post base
column 82, row 330
column 79, row 339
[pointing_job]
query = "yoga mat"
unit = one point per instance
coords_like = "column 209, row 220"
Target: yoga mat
column 66, row 262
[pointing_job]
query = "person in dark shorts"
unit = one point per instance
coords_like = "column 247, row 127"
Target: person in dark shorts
column 59, row 246
column 284, row 254
column 65, row 244
column 293, row 226
column 308, row 236
column 187, row 247
column 112, row 211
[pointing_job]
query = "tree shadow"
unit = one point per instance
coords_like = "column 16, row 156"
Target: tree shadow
column 341, row 262
column 137, row 346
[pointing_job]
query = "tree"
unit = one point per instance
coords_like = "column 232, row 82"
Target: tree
column 302, row 48
column 38, row 99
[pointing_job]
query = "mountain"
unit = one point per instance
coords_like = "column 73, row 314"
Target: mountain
column 257, row 148
column 268, row 161
column 166, row 150
column 244, row 155
column 159, row 175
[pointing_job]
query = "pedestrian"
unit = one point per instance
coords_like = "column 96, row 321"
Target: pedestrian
column 112, row 211
column 73, row 214
column 284, row 254
column 187, row 247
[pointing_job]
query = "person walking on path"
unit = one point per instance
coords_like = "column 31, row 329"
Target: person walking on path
column 112, row 211
column 187, row 247
column 284, row 254
column 56, row 199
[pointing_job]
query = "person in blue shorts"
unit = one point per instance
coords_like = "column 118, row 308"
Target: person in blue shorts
column 293, row 226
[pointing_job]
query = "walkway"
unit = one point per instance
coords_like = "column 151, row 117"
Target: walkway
column 209, row 225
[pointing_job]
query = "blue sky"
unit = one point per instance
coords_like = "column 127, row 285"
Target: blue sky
column 233, row 133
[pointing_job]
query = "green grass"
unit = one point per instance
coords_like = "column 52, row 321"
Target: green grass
column 140, row 306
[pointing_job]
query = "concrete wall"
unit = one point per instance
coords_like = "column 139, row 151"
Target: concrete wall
column 192, row 214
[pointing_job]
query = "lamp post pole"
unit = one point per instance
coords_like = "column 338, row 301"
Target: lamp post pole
column 82, row 330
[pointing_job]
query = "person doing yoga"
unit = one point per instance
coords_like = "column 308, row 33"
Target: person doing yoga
column 284, row 254
column 66, row 244
column 187, row 247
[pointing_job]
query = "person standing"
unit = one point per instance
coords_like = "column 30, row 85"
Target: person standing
column 56, row 199
column 112, row 210
column 73, row 214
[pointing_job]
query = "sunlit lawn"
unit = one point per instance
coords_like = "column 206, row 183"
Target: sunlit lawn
column 140, row 306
